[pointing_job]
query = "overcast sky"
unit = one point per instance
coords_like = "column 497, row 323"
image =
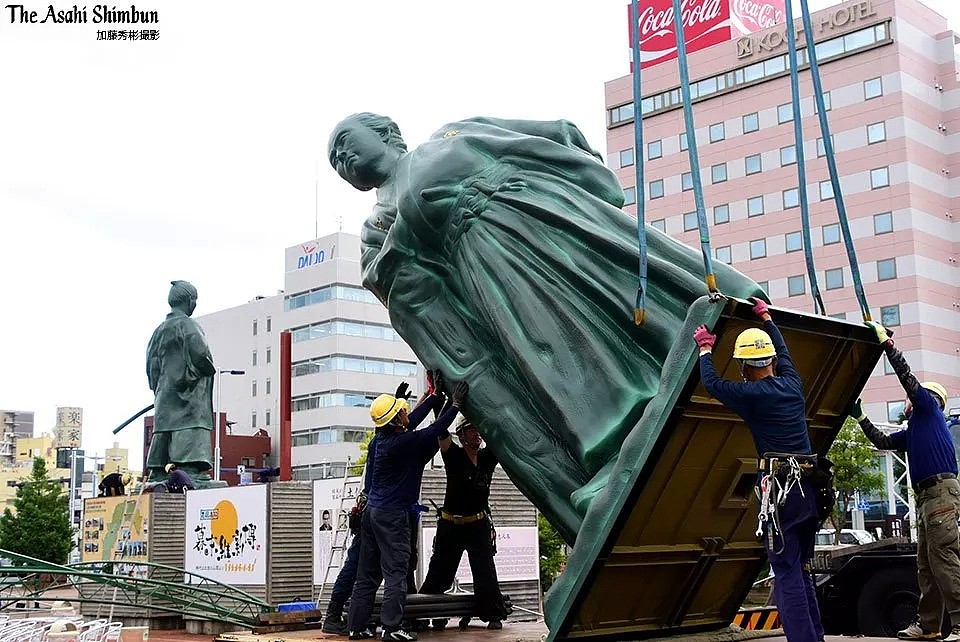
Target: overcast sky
column 124, row 165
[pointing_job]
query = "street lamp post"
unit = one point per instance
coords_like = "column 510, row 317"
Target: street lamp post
column 216, row 421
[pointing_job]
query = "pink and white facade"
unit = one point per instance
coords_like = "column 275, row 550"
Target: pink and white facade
column 891, row 73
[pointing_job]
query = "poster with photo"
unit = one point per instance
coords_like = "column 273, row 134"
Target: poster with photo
column 116, row 529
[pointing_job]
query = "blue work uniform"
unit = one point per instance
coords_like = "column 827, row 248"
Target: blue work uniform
column 385, row 547
column 774, row 410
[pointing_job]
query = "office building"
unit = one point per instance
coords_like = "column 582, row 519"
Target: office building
column 889, row 70
column 344, row 354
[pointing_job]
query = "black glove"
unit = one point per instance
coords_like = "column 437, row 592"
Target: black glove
column 856, row 411
column 403, row 391
column 460, row 395
column 438, row 382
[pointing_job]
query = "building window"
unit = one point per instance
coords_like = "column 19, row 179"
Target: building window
column 721, row 214
column 268, row 387
column 794, row 242
column 753, row 164
column 842, row 316
column 253, row 419
column 626, row 157
column 660, row 224
column 895, row 410
column 266, row 418
column 827, row 105
column 821, row 148
column 253, row 388
column 328, row 293
column 717, row 132
column 788, row 155
column 254, row 358
column 879, row 177
column 785, row 113
column 755, row 206
column 888, row 367
column 723, row 254
column 796, row 285
column 883, row 223
column 751, row 123
column 654, row 149
column 718, row 173
column 886, row 269
column 686, row 181
column 831, row 49
column 872, row 88
column 269, row 324
column 791, row 198
column 758, row 249
column 876, row 133
column 629, row 195
column 764, row 285
column 826, row 190
column 683, row 142
column 656, row 189
column 254, row 327
column 268, row 355
column 890, row 316
column 831, row 234
column 834, row 278
column 690, row 221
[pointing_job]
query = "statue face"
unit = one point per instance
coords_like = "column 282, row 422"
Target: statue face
column 359, row 155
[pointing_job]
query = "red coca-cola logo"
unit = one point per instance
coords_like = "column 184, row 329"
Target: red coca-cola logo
column 755, row 15
column 705, row 23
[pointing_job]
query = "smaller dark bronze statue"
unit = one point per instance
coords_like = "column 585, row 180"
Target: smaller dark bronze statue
column 180, row 371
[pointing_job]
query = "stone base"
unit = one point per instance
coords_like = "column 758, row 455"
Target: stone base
column 206, row 627
column 210, row 484
column 171, row 623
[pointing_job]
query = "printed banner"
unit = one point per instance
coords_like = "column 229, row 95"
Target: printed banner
column 326, row 511
column 227, row 534
column 517, row 558
column 116, row 529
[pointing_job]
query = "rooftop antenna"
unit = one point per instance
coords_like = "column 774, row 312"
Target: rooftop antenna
column 340, row 222
column 316, row 199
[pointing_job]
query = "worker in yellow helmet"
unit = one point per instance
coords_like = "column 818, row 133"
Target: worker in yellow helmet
column 770, row 400
column 386, row 524
column 933, row 469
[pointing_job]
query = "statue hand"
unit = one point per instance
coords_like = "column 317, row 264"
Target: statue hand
column 512, row 185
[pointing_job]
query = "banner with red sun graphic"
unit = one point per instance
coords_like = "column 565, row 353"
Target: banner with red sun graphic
column 227, row 534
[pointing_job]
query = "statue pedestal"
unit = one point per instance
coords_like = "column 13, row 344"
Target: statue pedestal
column 209, row 483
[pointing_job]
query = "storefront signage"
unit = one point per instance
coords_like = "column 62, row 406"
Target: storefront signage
column 836, row 19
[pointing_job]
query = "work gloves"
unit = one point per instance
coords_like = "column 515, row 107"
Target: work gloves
column 760, row 307
column 856, row 410
column 403, row 392
column 704, row 338
column 879, row 330
column 459, row 395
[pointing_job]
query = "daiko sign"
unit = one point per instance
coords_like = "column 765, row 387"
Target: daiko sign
column 705, row 23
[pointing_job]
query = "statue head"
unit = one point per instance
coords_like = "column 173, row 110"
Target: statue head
column 182, row 297
column 364, row 149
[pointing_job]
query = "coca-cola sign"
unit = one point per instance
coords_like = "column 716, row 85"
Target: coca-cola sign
column 748, row 16
column 705, row 23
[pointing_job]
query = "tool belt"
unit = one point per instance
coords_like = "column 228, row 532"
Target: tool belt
column 780, row 464
column 461, row 519
column 931, row 481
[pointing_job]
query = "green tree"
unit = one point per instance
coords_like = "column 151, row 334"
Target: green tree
column 854, row 471
column 552, row 557
column 357, row 467
column 40, row 527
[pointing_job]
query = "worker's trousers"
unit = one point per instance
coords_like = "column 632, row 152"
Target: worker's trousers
column 938, row 553
column 384, row 552
column 347, row 575
column 790, row 552
column 448, row 547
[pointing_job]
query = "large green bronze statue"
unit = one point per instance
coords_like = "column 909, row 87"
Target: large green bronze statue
column 180, row 372
column 503, row 255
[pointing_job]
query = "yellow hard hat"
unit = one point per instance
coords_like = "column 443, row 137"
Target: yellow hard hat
column 125, row 479
column 385, row 408
column 754, row 347
column 938, row 390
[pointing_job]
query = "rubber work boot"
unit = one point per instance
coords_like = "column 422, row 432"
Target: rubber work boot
column 916, row 632
column 400, row 635
column 954, row 634
column 494, row 625
column 440, row 624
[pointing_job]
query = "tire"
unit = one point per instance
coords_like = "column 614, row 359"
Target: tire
column 888, row 602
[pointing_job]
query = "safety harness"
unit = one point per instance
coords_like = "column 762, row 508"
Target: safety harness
column 781, row 473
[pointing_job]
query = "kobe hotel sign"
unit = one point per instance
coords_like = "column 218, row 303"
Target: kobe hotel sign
column 836, row 19
column 705, row 23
